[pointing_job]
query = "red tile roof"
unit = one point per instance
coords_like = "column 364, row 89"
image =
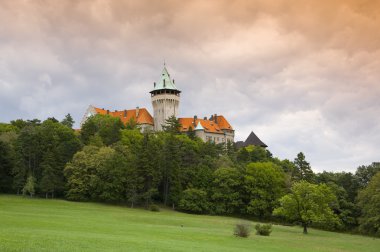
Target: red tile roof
column 209, row 125
column 125, row 116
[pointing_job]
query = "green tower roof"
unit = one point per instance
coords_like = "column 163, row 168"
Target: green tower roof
column 165, row 82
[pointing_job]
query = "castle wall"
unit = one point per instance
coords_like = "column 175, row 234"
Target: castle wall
column 214, row 137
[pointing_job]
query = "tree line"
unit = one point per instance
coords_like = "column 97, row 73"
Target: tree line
column 108, row 161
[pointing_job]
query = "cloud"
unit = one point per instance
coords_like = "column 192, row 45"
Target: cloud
column 304, row 75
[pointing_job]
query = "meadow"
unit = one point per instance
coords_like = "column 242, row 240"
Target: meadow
column 32, row 224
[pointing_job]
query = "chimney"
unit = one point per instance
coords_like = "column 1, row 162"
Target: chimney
column 211, row 118
column 215, row 118
column 154, row 84
column 195, row 119
column 137, row 111
column 108, row 111
column 125, row 113
column 205, row 118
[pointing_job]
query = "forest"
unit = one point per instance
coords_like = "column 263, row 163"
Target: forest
column 107, row 161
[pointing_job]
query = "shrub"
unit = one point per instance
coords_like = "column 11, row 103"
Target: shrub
column 154, row 208
column 242, row 229
column 264, row 229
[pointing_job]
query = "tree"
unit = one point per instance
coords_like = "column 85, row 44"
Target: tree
column 68, row 121
column 364, row 173
column 5, row 127
column 172, row 125
column 346, row 210
column 369, row 201
column 258, row 154
column 19, row 123
column 308, row 203
column 226, row 191
column 194, row 200
column 6, row 164
column 50, row 179
column 302, row 169
column 148, row 167
column 191, row 133
column 29, row 186
column 170, row 164
column 131, row 124
column 243, row 155
column 79, row 173
column 264, row 184
column 109, row 180
column 105, row 126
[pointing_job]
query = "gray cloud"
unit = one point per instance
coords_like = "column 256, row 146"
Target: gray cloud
column 304, row 75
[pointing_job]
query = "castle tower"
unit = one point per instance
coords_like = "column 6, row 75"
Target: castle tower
column 165, row 100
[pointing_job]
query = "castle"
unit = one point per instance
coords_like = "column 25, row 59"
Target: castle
column 165, row 98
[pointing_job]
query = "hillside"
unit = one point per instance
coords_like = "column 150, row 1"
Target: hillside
column 57, row 225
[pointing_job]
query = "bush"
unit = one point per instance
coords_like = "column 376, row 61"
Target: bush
column 154, row 208
column 242, row 229
column 264, row 229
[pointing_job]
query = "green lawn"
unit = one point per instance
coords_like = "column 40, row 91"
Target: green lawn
column 57, row 225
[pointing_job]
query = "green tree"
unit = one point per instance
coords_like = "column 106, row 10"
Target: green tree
column 131, row 124
column 6, row 165
column 171, row 125
column 105, row 126
column 308, row 203
column 29, row 186
column 19, row 123
column 51, row 180
column 243, row 155
column 148, row 167
column 369, row 201
column 302, row 169
column 347, row 211
column 194, row 200
column 258, row 154
column 5, row 127
column 191, row 133
column 68, row 121
column 365, row 173
column 29, row 150
column 264, row 184
column 226, row 189
column 79, row 173
column 171, row 168
column 109, row 180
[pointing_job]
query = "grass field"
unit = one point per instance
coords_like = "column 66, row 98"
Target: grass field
column 57, row 225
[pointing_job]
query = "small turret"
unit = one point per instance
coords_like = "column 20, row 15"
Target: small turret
column 199, row 126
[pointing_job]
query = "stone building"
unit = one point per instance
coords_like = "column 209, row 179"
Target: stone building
column 165, row 98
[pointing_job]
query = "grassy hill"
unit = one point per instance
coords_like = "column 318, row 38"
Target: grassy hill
column 57, row 225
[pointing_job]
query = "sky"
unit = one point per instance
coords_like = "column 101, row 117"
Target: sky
column 303, row 75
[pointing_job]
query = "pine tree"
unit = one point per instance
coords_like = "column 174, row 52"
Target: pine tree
column 68, row 121
column 302, row 169
column 172, row 125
